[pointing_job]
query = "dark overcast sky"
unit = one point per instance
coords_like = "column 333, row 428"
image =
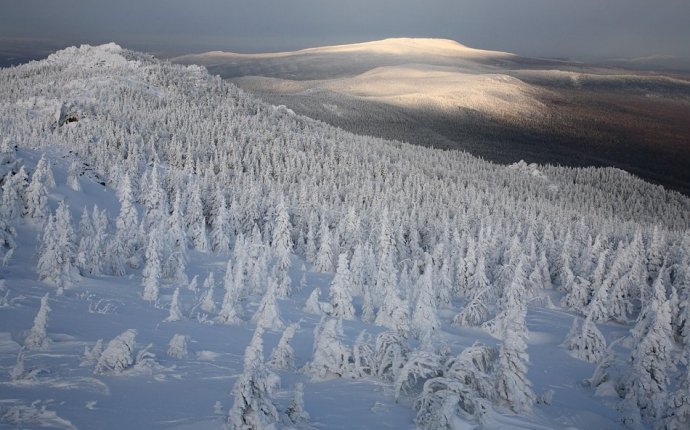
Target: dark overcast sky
column 580, row 29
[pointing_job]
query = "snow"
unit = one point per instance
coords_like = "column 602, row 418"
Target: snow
column 424, row 87
column 192, row 385
column 435, row 88
column 179, row 373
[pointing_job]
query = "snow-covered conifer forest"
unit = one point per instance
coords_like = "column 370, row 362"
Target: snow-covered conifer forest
column 177, row 254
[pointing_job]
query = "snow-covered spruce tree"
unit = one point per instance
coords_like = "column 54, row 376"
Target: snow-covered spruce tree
column 267, row 315
column 281, row 277
column 177, row 347
column 281, row 244
column 444, row 402
column 651, row 358
column 303, row 279
column 585, row 342
column 405, row 285
column 610, row 373
column 655, row 252
column 117, row 356
column 38, row 337
column 324, row 255
column 340, row 294
column 154, row 199
column 508, row 263
column 444, row 284
column 331, row 358
column 312, row 305
column 220, row 235
column 253, row 407
column 513, row 388
column 363, row 355
column 465, row 267
column 598, row 310
column 255, row 259
column 419, row 366
column 57, row 254
column 193, row 284
column 176, row 244
column 45, row 172
column 174, row 313
column 195, row 220
column 73, row 176
column 394, row 312
column 21, row 180
column 540, row 279
column 564, row 263
column 122, row 249
column 311, row 244
column 12, row 203
column 92, row 355
column 36, row 200
column 390, row 354
column 368, row 310
column 425, row 322
column 578, row 296
column 7, row 243
column 474, row 367
column 50, row 258
column 620, row 306
column 386, row 243
column 300, row 242
column 36, row 197
column 599, row 273
column 92, row 232
column 475, row 312
column 65, row 232
column 463, row 392
column 241, row 263
column 152, row 269
column 207, row 301
column 677, row 411
column 636, row 283
column 295, row 411
column 512, row 301
column 282, row 357
column 229, row 283
column 18, row 371
column 358, row 270
column 648, row 312
column 230, row 311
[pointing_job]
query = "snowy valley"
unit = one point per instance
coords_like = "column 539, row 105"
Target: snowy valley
column 178, row 254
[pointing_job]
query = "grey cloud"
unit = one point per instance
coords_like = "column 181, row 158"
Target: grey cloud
column 583, row 29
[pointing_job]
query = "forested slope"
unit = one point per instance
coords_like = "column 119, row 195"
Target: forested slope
column 431, row 250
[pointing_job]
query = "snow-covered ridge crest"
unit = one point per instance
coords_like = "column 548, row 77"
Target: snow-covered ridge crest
column 109, row 59
column 108, row 54
column 408, row 46
column 95, row 73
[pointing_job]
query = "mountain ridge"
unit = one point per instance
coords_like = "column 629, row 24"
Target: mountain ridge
column 392, row 46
